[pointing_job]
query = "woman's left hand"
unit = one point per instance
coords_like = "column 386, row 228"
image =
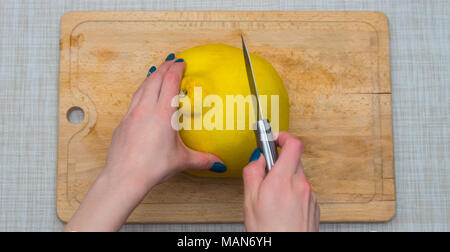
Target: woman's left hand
column 145, row 151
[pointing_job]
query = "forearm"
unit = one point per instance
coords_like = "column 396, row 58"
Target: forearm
column 106, row 207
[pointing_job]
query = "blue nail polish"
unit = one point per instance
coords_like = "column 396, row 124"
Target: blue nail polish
column 152, row 70
column 179, row 60
column 170, row 57
column 255, row 155
column 218, row 168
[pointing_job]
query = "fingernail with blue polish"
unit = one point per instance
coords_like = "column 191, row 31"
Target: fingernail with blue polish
column 170, row 57
column 255, row 155
column 179, row 60
column 218, row 168
column 152, row 70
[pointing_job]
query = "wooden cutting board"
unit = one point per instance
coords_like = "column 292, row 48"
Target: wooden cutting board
column 335, row 66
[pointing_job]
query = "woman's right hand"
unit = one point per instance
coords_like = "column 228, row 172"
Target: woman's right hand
column 282, row 200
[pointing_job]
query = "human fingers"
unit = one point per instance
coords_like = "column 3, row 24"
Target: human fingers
column 254, row 173
column 289, row 158
column 152, row 85
column 171, row 86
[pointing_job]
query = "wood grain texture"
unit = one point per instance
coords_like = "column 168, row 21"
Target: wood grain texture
column 335, row 66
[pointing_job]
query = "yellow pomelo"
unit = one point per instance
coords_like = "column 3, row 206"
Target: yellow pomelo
column 219, row 70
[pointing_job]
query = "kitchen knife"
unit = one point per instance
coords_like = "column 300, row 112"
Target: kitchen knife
column 263, row 130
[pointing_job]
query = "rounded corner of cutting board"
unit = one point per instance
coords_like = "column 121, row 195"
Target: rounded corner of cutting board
column 72, row 19
column 391, row 213
column 62, row 212
column 383, row 17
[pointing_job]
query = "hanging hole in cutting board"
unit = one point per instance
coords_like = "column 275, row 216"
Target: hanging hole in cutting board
column 75, row 115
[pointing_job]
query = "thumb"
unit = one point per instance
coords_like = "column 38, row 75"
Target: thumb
column 254, row 173
column 205, row 161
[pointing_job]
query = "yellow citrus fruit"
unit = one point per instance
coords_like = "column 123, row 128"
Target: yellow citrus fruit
column 219, row 70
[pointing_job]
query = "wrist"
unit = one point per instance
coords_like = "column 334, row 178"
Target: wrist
column 111, row 199
column 129, row 189
column 104, row 208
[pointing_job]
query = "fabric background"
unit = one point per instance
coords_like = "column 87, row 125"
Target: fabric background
column 29, row 65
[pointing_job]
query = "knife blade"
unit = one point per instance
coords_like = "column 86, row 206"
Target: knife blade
column 263, row 130
column 251, row 81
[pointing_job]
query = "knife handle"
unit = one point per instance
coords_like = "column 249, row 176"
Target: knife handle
column 266, row 143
